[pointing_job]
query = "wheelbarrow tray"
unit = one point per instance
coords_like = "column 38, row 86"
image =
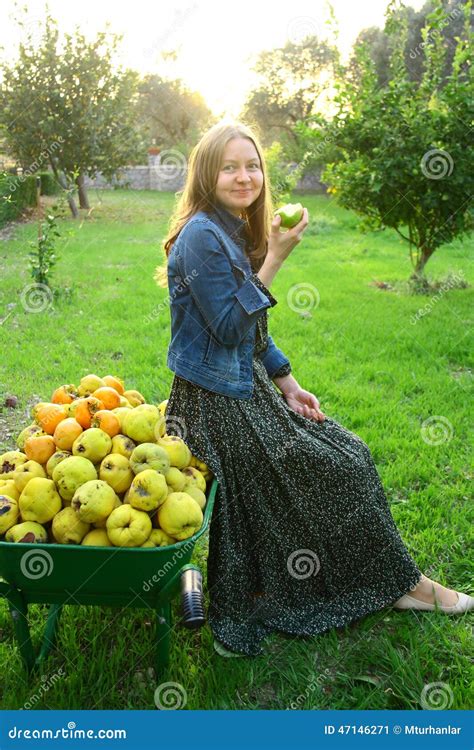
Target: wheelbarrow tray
column 90, row 575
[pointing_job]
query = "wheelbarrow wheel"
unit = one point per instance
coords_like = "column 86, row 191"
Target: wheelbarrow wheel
column 192, row 599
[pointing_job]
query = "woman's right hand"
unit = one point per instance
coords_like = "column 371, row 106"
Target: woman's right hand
column 280, row 244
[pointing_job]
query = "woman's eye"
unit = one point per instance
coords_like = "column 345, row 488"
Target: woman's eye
column 252, row 166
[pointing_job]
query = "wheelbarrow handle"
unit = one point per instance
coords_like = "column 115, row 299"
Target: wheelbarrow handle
column 192, row 598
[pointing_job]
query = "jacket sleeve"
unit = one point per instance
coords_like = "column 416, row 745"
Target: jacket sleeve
column 229, row 310
column 275, row 362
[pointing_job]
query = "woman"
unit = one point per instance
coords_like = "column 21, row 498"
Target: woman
column 301, row 537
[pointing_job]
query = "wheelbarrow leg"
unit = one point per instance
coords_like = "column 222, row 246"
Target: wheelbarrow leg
column 50, row 632
column 19, row 612
column 163, row 628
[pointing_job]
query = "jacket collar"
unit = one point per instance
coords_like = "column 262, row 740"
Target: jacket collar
column 234, row 226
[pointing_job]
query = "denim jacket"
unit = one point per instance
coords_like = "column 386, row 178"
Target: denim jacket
column 215, row 303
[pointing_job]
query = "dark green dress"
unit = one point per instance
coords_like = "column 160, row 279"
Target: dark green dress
column 300, row 515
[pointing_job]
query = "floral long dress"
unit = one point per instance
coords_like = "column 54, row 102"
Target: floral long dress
column 301, row 537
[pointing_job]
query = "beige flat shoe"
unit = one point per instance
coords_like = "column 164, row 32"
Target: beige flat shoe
column 223, row 651
column 463, row 604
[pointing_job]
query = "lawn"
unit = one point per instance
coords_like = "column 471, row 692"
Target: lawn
column 375, row 368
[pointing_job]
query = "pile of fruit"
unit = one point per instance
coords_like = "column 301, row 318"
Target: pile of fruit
column 96, row 467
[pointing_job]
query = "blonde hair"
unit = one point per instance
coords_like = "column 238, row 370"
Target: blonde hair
column 198, row 193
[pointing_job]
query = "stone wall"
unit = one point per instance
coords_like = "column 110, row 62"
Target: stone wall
column 170, row 177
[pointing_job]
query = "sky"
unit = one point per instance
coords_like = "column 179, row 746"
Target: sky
column 217, row 42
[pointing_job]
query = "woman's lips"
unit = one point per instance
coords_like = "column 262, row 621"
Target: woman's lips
column 242, row 192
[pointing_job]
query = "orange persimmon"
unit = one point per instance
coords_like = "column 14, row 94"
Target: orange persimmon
column 109, row 397
column 114, row 382
column 85, row 410
column 66, row 432
column 107, row 421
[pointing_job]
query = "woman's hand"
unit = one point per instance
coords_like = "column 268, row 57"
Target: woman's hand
column 305, row 403
column 280, row 244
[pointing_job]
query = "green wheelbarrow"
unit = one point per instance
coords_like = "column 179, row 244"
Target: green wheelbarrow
column 59, row 574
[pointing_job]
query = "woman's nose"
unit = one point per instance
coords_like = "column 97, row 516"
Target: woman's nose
column 243, row 176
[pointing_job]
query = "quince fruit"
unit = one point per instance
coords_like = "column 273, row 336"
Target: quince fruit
column 8, row 487
column 194, row 476
column 148, row 490
column 93, row 444
column 89, row 384
column 175, row 479
column 177, row 450
column 9, row 462
column 128, row 527
column 149, row 456
column 115, row 470
column 39, row 501
column 160, row 538
column 180, row 516
column 134, row 398
column 71, row 474
column 97, row 538
column 56, row 459
column 26, row 472
column 68, row 528
column 8, row 512
column 197, row 494
column 139, row 423
column 123, row 444
column 28, row 532
column 93, row 501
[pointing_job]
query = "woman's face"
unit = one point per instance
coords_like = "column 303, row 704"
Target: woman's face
column 240, row 178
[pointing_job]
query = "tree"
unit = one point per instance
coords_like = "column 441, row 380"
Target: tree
column 380, row 43
column 292, row 79
column 63, row 103
column 170, row 114
column 401, row 156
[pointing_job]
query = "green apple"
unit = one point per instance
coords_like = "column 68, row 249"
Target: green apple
column 291, row 214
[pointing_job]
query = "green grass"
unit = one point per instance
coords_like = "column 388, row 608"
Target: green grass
column 372, row 369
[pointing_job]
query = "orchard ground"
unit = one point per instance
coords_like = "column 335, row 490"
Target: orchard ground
column 397, row 377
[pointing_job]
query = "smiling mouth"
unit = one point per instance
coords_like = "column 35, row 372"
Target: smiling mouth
column 242, row 191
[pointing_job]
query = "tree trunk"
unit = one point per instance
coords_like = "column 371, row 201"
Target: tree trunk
column 83, row 197
column 62, row 181
column 423, row 258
